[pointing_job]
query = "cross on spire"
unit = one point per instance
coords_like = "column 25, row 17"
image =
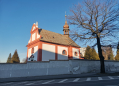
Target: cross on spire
column 65, row 16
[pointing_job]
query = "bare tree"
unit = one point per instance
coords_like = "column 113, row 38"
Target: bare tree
column 106, row 51
column 96, row 21
column 24, row 60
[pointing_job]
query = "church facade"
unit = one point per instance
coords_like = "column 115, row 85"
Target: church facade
column 45, row 45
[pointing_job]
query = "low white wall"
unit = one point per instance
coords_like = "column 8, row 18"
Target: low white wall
column 54, row 68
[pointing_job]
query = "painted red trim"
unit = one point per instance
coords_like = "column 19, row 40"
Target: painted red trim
column 34, row 31
column 59, row 44
column 70, row 52
column 31, row 46
column 56, row 56
column 32, row 50
column 71, row 56
column 53, row 44
column 33, row 42
column 56, row 53
column 38, row 43
column 39, row 58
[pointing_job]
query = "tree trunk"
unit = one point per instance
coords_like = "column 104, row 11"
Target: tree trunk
column 102, row 68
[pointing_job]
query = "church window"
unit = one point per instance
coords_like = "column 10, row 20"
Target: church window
column 32, row 50
column 75, row 54
column 64, row 52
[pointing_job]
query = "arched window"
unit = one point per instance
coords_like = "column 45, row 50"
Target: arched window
column 32, row 50
column 64, row 52
column 76, row 54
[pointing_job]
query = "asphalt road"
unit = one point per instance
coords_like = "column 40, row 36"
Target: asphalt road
column 88, row 81
column 91, row 83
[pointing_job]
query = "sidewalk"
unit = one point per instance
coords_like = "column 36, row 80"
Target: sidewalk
column 47, row 77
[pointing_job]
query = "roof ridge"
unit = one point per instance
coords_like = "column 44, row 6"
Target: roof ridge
column 52, row 31
column 57, row 33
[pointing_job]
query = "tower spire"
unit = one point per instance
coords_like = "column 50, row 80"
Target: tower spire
column 66, row 27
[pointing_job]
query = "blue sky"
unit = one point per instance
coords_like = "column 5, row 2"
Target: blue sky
column 18, row 16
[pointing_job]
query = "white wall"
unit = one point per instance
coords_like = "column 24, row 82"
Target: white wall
column 55, row 67
column 34, row 28
column 33, row 36
column 60, row 56
column 82, row 50
column 29, row 52
column 38, row 36
column 73, row 53
column 35, row 54
column 48, row 52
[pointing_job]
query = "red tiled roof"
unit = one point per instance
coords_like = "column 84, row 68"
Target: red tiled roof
column 53, row 37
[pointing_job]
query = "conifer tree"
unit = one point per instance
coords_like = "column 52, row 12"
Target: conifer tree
column 15, row 57
column 117, row 56
column 88, row 53
column 94, row 55
column 9, row 58
column 91, row 54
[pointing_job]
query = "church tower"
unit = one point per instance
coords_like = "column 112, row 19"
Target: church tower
column 66, row 28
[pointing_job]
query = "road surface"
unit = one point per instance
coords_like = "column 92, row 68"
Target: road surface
column 88, row 81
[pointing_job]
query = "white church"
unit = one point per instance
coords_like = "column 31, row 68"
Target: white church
column 46, row 45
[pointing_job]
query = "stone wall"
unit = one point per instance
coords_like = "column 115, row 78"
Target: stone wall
column 55, row 68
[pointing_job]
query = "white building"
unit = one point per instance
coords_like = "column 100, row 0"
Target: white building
column 82, row 51
column 45, row 45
